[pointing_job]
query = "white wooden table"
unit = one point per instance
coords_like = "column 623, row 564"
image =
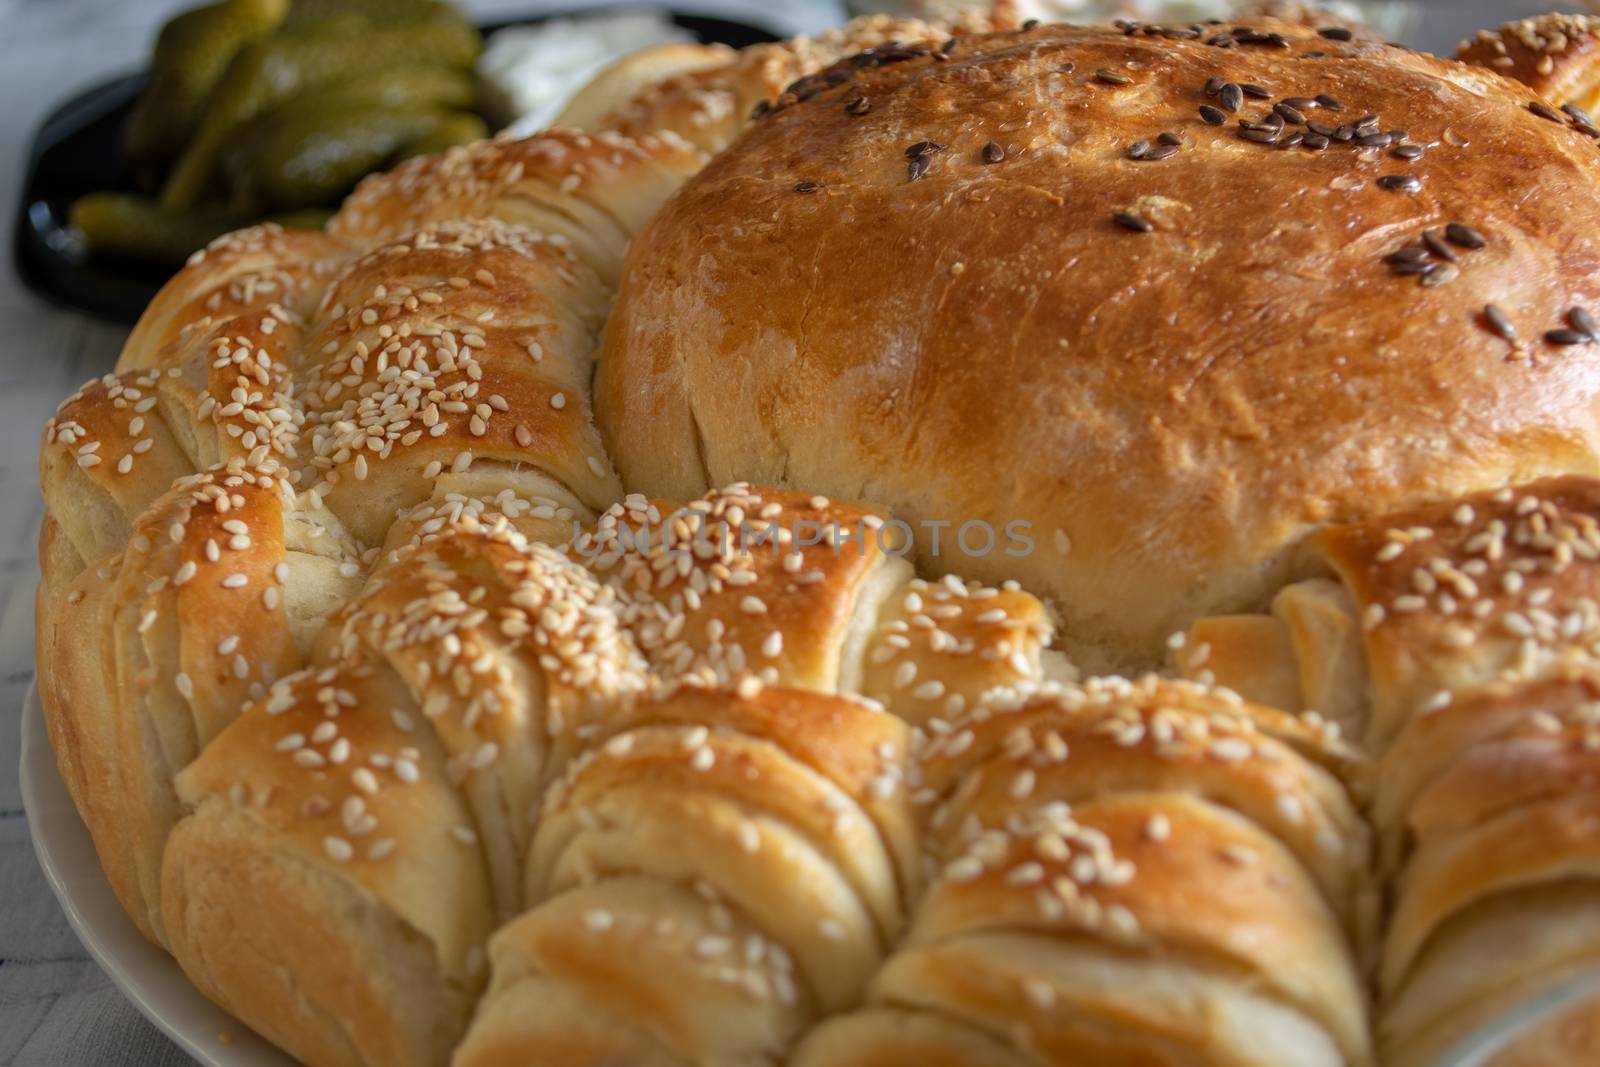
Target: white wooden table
column 56, row 1009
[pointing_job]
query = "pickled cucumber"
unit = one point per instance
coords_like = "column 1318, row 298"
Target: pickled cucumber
column 305, row 13
column 461, row 127
column 124, row 224
column 270, row 72
column 321, row 156
column 191, row 53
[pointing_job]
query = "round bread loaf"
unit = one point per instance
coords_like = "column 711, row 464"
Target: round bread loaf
column 1025, row 279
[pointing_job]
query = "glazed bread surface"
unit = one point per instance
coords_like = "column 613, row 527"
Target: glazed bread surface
column 918, row 266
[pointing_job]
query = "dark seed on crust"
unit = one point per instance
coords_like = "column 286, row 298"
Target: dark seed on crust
column 1213, row 116
column 1500, row 323
column 1465, row 236
column 1545, row 111
column 1441, row 274
column 1231, row 97
column 1256, row 91
column 1408, row 254
column 1111, row 77
column 1580, row 320
column 993, row 153
column 1366, row 120
column 1031, row 24
column 1408, row 152
column 923, row 148
column 1345, row 133
column 1129, row 221
column 1168, row 137
column 1400, row 183
column 1160, row 152
column 807, row 187
column 1567, row 337
column 1293, row 140
column 1411, row 267
column 1375, row 140
column 1303, row 103
column 859, row 106
column 1438, row 246
column 1268, row 136
column 1321, row 128
column 1214, row 86
column 1330, row 103
column 1289, row 114
column 1336, row 33
column 918, row 167
column 1138, row 149
column 1316, row 142
column 1579, row 115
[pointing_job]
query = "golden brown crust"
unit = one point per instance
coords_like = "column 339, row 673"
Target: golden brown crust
column 1175, row 417
column 594, row 191
column 940, row 646
column 426, row 360
column 1065, row 829
column 710, row 108
column 635, row 74
column 326, row 828
column 781, row 586
column 238, row 275
column 1453, row 595
column 716, row 869
column 724, row 801
column 506, row 648
column 879, row 1037
column 1555, row 55
column 1078, row 744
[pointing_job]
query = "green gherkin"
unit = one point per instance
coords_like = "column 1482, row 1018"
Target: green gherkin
column 315, row 157
column 270, row 72
column 124, row 224
column 305, row 13
column 191, row 53
column 457, row 128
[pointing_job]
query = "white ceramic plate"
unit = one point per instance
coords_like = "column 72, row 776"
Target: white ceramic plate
column 147, row 976
column 156, row 985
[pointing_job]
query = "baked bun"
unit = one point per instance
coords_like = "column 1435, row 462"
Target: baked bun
column 1063, row 828
column 1558, row 56
column 1174, row 410
column 711, row 106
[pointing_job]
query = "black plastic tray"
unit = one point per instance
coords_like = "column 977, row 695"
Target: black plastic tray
column 77, row 151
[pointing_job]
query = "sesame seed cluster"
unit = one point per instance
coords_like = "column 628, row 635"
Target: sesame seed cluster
column 1475, row 623
column 415, row 740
